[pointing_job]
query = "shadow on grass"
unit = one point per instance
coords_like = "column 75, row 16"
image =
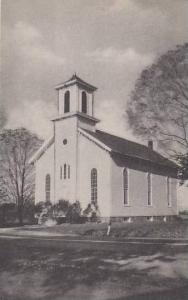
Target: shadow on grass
column 56, row 269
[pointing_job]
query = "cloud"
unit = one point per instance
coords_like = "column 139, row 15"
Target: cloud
column 118, row 56
column 35, row 116
column 28, row 41
column 118, row 5
column 113, row 119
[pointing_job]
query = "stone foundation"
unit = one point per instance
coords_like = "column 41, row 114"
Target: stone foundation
column 139, row 219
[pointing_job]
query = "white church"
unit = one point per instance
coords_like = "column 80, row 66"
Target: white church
column 125, row 179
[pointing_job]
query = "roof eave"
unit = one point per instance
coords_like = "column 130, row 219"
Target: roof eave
column 96, row 141
column 79, row 83
column 41, row 150
column 147, row 160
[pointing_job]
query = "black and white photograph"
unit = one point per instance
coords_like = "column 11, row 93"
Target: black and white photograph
column 94, row 150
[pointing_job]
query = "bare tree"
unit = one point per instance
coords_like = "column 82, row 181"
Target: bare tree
column 158, row 106
column 17, row 178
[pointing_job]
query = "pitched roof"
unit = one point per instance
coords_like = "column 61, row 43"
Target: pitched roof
column 76, row 80
column 41, row 150
column 131, row 149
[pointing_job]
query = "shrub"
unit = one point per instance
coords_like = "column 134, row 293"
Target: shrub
column 74, row 213
column 61, row 208
column 44, row 212
column 92, row 212
column 7, row 213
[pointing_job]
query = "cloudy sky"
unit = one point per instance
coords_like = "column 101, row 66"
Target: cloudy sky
column 106, row 42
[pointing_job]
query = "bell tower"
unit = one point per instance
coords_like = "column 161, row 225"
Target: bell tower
column 75, row 110
column 76, row 97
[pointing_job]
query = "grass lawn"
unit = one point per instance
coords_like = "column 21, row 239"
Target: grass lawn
column 173, row 229
column 41, row 269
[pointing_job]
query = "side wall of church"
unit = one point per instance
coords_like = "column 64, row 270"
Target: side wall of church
column 44, row 166
column 92, row 156
column 138, row 193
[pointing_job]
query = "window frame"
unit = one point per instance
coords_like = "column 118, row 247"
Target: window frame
column 126, row 187
column 84, row 103
column 94, row 185
column 47, row 187
column 168, row 191
column 149, row 190
column 64, row 171
column 67, row 102
column 68, row 175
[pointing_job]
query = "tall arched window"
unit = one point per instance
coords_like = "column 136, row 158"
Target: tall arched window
column 149, row 179
column 125, row 187
column 67, row 102
column 47, row 187
column 61, row 172
column 68, row 171
column 65, row 171
column 94, row 185
column 168, row 191
column 84, row 102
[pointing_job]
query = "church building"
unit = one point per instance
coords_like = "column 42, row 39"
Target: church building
column 125, row 179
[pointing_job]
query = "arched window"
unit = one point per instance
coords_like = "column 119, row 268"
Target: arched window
column 94, row 185
column 47, row 187
column 61, row 172
column 125, row 187
column 84, row 102
column 149, row 179
column 67, row 102
column 168, row 191
column 65, row 171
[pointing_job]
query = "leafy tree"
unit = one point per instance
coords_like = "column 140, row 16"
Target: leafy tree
column 158, row 106
column 17, row 177
column 183, row 163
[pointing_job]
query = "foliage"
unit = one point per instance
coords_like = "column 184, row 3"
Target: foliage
column 5, row 209
column 16, row 173
column 183, row 163
column 74, row 213
column 158, row 106
column 62, row 207
column 92, row 212
column 184, row 212
column 70, row 211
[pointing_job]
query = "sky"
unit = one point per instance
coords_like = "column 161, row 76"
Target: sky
column 106, row 42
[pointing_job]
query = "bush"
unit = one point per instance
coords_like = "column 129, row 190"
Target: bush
column 92, row 212
column 61, row 208
column 74, row 213
column 29, row 212
column 44, row 212
column 184, row 212
column 8, row 213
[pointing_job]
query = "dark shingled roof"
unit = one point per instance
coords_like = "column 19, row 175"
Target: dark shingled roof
column 129, row 148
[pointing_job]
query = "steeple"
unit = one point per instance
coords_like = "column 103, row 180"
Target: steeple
column 76, row 97
column 78, row 81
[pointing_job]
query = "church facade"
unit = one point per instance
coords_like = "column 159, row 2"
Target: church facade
column 125, row 179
